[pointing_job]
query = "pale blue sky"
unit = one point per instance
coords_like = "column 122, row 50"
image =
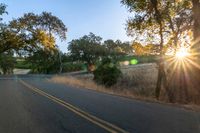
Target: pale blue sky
column 105, row 18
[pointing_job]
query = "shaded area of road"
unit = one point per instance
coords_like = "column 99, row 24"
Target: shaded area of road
column 22, row 110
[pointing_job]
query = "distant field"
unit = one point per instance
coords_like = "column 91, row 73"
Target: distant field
column 141, row 59
column 139, row 79
column 73, row 66
column 21, row 71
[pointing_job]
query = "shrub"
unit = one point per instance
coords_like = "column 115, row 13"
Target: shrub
column 71, row 67
column 22, row 64
column 7, row 63
column 107, row 73
column 45, row 61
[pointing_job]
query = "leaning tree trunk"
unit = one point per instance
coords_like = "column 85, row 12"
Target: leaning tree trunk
column 196, row 27
column 160, row 67
column 158, row 18
column 194, row 76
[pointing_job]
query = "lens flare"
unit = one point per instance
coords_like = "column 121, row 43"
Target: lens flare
column 134, row 62
column 182, row 52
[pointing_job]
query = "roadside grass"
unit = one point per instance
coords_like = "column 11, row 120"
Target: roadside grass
column 87, row 83
column 138, row 82
column 139, row 79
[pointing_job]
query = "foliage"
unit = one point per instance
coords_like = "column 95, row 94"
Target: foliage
column 149, row 18
column 45, row 61
column 39, row 31
column 70, row 67
column 149, row 49
column 9, row 40
column 174, row 15
column 117, row 48
column 66, row 57
column 53, row 25
column 169, row 20
column 87, row 49
column 22, row 64
column 34, row 36
column 107, row 73
column 7, row 62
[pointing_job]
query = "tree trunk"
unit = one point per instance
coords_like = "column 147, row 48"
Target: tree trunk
column 159, row 80
column 158, row 18
column 196, row 27
column 195, row 74
column 160, row 67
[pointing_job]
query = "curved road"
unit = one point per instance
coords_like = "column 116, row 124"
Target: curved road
column 32, row 104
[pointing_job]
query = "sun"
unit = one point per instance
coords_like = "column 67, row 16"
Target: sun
column 182, row 53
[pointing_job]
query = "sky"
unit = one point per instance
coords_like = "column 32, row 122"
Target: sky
column 105, row 18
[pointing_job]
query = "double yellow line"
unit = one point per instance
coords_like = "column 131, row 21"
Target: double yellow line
column 93, row 119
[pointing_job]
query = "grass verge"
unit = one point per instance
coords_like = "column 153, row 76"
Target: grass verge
column 136, row 83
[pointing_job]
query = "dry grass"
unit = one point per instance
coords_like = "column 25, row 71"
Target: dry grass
column 139, row 79
column 136, row 82
column 87, row 83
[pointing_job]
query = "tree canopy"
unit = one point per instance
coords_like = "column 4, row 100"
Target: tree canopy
column 39, row 31
column 32, row 35
column 88, row 48
column 169, row 24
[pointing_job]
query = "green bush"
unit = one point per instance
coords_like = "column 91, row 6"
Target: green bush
column 71, row 67
column 45, row 61
column 22, row 65
column 7, row 63
column 107, row 73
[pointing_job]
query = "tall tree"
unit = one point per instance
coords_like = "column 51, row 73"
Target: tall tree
column 40, row 30
column 196, row 26
column 87, row 49
column 163, row 18
column 194, row 74
column 117, row 48
column 9, row 40
column 149, row 18
column 53, row 25
column 39, row 34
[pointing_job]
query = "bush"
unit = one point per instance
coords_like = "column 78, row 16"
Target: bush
column 45, row 61
column 22, row 64
column 71, row 67
column 107, row 73
column 7, row 63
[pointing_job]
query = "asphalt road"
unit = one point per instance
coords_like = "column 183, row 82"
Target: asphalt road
column 32, row 104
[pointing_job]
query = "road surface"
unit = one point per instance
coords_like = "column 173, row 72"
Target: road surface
column 32, row 104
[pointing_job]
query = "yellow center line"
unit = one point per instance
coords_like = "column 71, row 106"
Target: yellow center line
column 93, row 119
